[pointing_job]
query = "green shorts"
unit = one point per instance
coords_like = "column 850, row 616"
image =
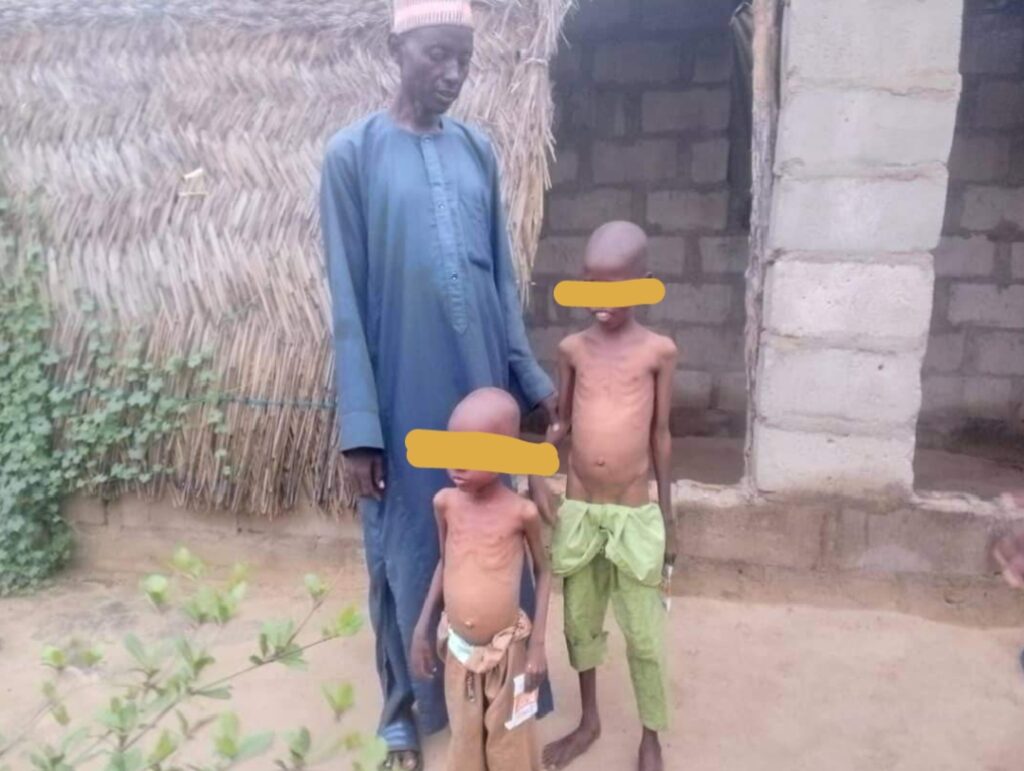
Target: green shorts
column 605, row 551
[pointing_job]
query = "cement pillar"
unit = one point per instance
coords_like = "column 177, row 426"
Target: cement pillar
column 869, row 93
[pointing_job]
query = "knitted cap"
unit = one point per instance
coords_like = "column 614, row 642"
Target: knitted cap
column 412, row 14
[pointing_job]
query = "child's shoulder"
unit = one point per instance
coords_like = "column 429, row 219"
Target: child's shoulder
column 660, row 344
column 570, row 342
column 442, row 497
column 528, row 512
column 518, row 506
column 528, row 508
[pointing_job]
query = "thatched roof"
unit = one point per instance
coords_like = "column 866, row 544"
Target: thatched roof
column 108, row 106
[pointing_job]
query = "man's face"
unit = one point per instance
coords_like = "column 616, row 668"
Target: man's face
column 434, row 63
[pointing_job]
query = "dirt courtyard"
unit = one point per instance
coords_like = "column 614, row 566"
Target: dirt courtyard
column 755, row 687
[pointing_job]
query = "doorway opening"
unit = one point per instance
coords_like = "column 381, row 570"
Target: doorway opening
column 653, row 125
column 970, row 433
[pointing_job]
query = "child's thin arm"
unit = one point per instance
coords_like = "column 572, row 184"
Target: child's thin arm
column 536, row 661
column 434, row 594
column 540, row 492
column 566, row 381
column 423, row 659
column 433, row 597
column 661, row 445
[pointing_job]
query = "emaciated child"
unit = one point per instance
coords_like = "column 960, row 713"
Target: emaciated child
column 611, row 541
column 487, row 642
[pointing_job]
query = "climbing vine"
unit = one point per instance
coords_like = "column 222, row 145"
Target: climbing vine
column 34, row 539
column 89, row 423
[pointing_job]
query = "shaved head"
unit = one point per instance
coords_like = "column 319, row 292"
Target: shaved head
column 489, row 410
column 616, row 250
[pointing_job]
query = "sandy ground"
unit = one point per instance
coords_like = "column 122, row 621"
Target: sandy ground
column 755, row 688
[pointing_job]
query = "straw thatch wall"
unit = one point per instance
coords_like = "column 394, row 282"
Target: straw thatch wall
column 109, row 107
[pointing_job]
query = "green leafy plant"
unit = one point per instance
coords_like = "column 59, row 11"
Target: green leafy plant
column 152, row 717
column 34, row 539
column 84, row 423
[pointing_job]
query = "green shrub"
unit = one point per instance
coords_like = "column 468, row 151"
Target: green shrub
column 149, row 713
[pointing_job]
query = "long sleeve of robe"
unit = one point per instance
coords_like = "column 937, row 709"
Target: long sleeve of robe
column 425, row 309
column 441, row 282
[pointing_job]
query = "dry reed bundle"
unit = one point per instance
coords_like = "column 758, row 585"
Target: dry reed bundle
column 177, row 144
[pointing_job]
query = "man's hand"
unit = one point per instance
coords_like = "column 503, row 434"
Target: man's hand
column 550, row 405
column 556, row 432
column 422, row 658
column 536, row 665
column 365, row 471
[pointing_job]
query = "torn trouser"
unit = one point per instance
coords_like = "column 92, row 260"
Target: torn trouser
column 479, row 691
column 608, row 551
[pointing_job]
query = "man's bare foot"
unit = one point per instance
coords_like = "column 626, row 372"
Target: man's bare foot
column 650, row 752
column 561, row 753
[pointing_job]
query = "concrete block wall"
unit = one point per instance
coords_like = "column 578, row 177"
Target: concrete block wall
column 643, row 101
column 974, row 370
column 869, row 96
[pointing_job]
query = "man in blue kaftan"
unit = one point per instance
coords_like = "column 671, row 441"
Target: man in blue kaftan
column 425, row 310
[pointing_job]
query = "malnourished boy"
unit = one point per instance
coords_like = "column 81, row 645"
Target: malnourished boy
column 491, row 648
column 611, row 541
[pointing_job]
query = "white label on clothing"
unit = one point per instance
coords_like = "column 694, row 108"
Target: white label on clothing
column 524, row 703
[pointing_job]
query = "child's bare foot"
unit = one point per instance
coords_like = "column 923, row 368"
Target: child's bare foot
column 650, row 752
column 561, row 753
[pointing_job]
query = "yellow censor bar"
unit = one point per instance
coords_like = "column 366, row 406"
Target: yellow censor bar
column 609, row 294
column 479, row 451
